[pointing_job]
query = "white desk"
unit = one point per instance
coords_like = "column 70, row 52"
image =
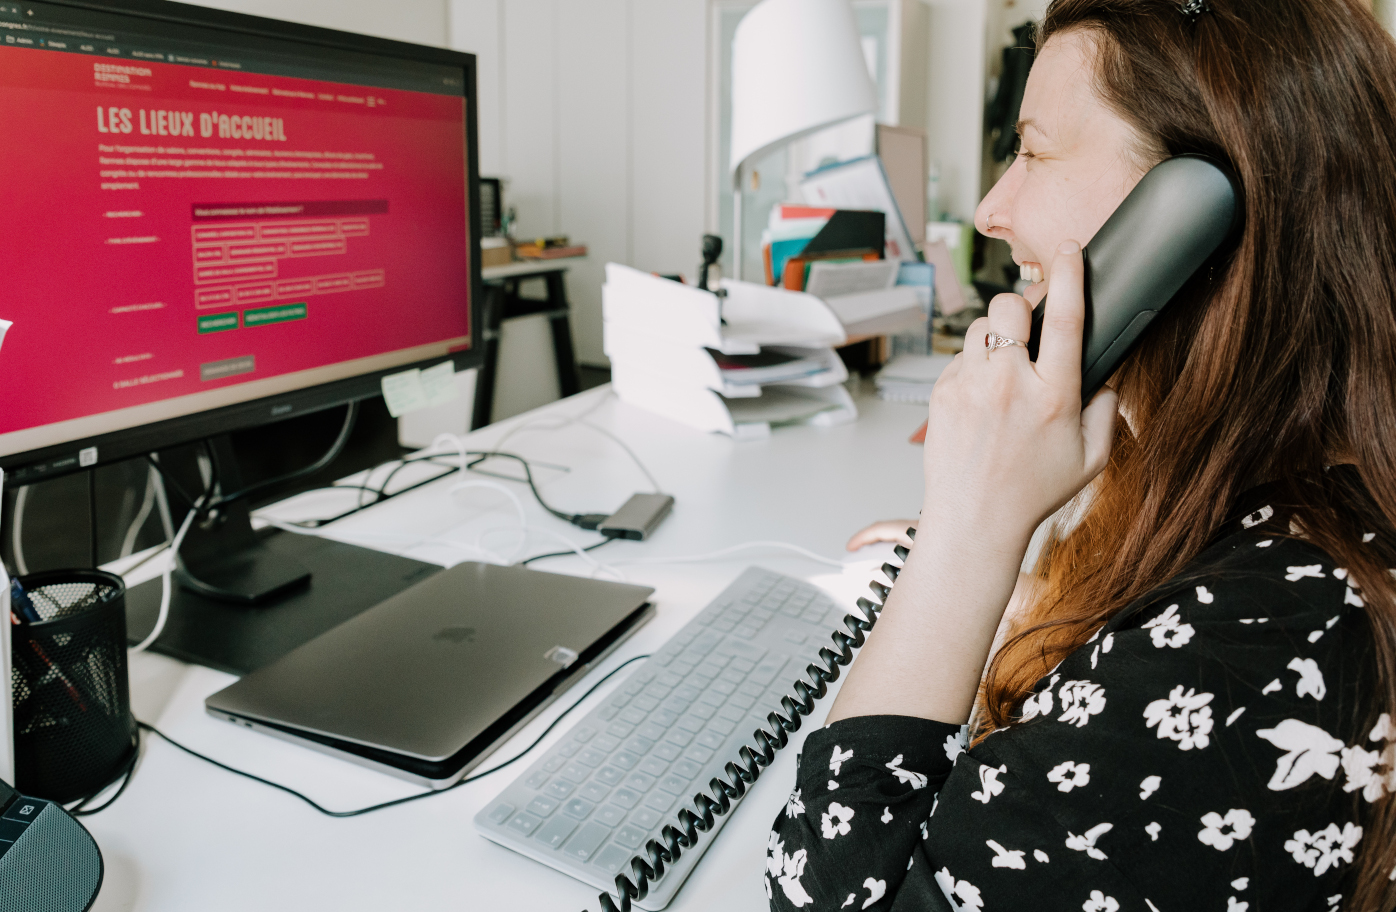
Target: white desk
column 189, row 836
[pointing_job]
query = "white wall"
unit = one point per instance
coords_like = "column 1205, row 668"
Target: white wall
column 594, row 113
column 419, row 21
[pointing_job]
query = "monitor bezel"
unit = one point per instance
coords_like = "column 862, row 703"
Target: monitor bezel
column 43, row 463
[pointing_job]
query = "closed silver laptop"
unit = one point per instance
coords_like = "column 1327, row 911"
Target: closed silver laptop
column 425, row 684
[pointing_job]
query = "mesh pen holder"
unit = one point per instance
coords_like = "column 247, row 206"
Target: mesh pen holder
column 74, row 732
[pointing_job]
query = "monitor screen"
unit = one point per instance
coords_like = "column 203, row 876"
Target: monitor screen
column 202, row 218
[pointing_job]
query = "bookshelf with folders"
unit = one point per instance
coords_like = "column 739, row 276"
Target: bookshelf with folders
column 740, row 362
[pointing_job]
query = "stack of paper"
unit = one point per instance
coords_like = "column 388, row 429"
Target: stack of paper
column 910, row 378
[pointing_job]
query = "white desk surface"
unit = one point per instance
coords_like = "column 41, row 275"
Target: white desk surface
column 188, row 836
column 527, row 267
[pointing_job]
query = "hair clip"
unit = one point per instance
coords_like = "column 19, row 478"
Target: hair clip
column 1194, row 8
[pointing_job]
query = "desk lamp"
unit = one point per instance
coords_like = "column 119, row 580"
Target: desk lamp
column 797, row 67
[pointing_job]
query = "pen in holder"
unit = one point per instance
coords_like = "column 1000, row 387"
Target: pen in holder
column 74, row 732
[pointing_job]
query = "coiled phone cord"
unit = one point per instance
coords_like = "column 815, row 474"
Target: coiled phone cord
column 650, row 866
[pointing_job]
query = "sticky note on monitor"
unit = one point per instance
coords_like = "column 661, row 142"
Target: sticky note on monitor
column 416, row 389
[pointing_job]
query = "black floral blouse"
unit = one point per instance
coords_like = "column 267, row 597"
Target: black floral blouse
column 1208, row 752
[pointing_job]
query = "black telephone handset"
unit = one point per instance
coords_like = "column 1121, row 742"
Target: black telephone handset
column 1180, row 215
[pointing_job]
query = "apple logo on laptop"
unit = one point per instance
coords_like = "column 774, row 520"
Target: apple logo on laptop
column 455, row 634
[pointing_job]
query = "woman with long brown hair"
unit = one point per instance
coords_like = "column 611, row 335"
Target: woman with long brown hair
column 1192, row 709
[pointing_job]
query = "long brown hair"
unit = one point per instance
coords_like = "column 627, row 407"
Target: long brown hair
column 1271, row 365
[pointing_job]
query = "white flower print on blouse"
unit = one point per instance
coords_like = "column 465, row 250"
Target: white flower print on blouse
column 1204, row 596
column 794, row 807
column 989, row 784
column 1235, row 905
column 1040, row 703
column 1258, row 517
column 1041, row 856
column 1309, row 750
column 835, row 822
column 836, row 760
column 917, row 780
column 1080, row 700
column 876, row 890
column 1360, row 766
column 1086, row 841
column 1069, row 775
column 1310, row 681
column 787, row 870
column 1169, row 630
column 1240, row 883
column 1183, row 717
column 1099, row 902
column 886, row 815
column 1153, row 830
column 1326, row 848
column 954, row 747
column 1312, row 571
column 1149, row 786
column 962, row 895
column 1222, row 832
column 1007, row 858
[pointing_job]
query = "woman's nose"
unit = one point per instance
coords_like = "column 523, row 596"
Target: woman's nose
column 993, row 217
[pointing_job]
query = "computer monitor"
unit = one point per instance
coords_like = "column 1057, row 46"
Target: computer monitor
column 217, row 221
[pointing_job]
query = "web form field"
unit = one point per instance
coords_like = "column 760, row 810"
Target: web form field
column 239, row 262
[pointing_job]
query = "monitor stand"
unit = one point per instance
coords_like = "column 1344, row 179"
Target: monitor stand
column 244, row 598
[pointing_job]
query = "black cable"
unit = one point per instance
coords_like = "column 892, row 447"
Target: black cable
column 124, row 774
column 537, row 557
column 396, row 801
column 351, row 413
column 169, row 479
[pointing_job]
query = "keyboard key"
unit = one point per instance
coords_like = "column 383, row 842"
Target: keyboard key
column 675, row 784
column 609, row 776
column 667, row 752
column 542, row 806
column 703, row 710
column 653, row 766
column 722, row 725
column 712, row 697
column 524, row 823
column 556, row 830
column 698, row 754
column 664, row 717
column 751, row 689
column 620, row 699
column 584, row 734
column 631, row 836
column 502, row 812
column 651, row 731
column 591, row 757
column 681, row 668
column 766, row 672
column 724, row 625
column 559, row 789
column 594, row 791
column 660, row 801
column 634, row 687
column 669, row 679
column 606, row 743
column 686, row 769
column 619, row 729
column 634, row 715
column 691, row 723
column 610, row 815
column 745, row 701
column 645, row 675
column 719, row 686
column 797, row 637
column 711, row 739
column 745, row 666
column 657, row 690
column 570, row 748
column 578, row 808
column 554, row 764
column 680, row 737
column 536, row 780
column 625, row 760
column 708, row 669
column 612, row 858
column 626, row 798
column 645, row 702
column 646, row 818
column 746, row 630
column 638, row 781
column 731, row 712
column 742, row 650
column 639, row 745
column 587, row 841
column 607, row 713
column 732, row 675
column 574, row 772
column 677, row 704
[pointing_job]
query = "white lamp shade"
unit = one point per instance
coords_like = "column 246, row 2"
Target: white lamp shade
column 797, row 67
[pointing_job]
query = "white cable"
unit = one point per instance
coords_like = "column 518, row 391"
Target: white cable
column 166, row 579
column 408, row 542
column 699, row 558
column 566, row 420
column 16, row 530
column 147, row 504
column 518, row 507
column 576, row 548
column 162, row 501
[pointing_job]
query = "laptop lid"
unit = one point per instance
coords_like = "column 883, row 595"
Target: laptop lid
column 430, row 670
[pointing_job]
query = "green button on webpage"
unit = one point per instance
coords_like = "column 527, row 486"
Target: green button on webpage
column 212, row 323
column 281, row 313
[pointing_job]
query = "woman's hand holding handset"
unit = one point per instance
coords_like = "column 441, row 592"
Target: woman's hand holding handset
column 1007, row 445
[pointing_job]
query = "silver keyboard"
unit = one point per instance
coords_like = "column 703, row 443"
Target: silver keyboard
column 625, row 770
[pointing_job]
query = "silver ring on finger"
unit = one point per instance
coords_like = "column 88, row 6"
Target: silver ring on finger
column 993, row 342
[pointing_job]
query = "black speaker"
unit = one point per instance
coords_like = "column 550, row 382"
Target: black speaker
column 48, row 861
